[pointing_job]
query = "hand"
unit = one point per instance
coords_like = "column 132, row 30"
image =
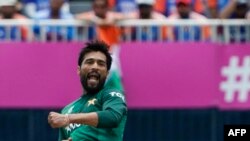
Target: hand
column 57, row 120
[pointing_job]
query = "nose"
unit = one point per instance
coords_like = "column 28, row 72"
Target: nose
column 95, row 66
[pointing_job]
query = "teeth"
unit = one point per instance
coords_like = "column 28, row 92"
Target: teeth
column 95, row 76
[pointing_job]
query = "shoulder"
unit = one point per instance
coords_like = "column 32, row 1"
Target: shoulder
column 19, row 16
column 66, row 16
column 112, row 93
column 174, row 16
column 68, row 109
column 43, row 14
column 194, row 15
column 157, row 15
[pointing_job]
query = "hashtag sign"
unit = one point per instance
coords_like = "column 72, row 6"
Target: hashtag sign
column 237, row 80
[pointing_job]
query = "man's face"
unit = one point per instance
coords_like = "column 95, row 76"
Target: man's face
column 241, row 10
column 100, row 8
column 145, row 11
column 183, row 10
column 56, row 4
column 7, row 11
column 93, row 71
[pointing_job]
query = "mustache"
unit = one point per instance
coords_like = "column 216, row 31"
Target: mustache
column 93, row 74
column 92, row 90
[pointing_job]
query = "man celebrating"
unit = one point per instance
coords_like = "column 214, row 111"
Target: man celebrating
column 101, row 112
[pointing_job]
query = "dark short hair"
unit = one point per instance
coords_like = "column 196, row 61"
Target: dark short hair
column 94, row 46
column 106, row 2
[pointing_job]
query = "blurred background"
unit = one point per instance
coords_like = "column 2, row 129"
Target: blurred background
column 184, row 65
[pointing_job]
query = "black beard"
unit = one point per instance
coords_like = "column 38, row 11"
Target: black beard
column 184, row 15
column 90, row 90
column 8, row 16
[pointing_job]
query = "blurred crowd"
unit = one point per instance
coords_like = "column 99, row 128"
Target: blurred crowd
column 208, row 8
column 104, row 13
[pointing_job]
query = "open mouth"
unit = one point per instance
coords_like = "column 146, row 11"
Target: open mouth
column 93, row 78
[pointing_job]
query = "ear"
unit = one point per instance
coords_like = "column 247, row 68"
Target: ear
column 78, row 70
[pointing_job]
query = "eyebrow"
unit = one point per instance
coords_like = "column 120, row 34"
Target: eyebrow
column 100, row 60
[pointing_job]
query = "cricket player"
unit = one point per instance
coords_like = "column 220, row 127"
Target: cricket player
column 100, row 113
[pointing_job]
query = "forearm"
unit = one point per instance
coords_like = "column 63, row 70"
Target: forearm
column 228, row 10
column 102, row 119
column 84, row 118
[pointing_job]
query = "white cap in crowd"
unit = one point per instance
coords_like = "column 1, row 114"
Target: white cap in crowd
column 148, row 2
column 242, row 1
column 8, row 2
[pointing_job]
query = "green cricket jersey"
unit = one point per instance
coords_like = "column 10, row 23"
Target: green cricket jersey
column 110, row 102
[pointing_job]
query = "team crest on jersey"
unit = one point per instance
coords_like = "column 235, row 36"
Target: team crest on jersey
column 92, row 101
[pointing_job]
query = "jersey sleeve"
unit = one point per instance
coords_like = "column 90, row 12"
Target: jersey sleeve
column 113, row 110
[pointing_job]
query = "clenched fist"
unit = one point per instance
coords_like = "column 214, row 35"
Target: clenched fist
column 57, row 120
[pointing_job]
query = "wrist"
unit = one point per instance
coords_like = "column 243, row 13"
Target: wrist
column 67, row 119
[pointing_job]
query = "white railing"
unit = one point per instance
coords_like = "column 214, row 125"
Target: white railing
column 133, row 30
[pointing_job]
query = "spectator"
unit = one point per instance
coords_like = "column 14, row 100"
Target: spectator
column 189, row 32
column 236, row 9
column 31, row 7
column 166, row 7
column 125, row 6
column 146, row 11
column 55, row 32
column 104, row 19
column 8, row 11
column 212, row 9
column 197, row 6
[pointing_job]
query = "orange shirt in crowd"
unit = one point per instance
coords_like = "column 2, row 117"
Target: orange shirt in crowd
column 108, row 33
column 111, row 3
column 160, row 6
column 212, row 3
